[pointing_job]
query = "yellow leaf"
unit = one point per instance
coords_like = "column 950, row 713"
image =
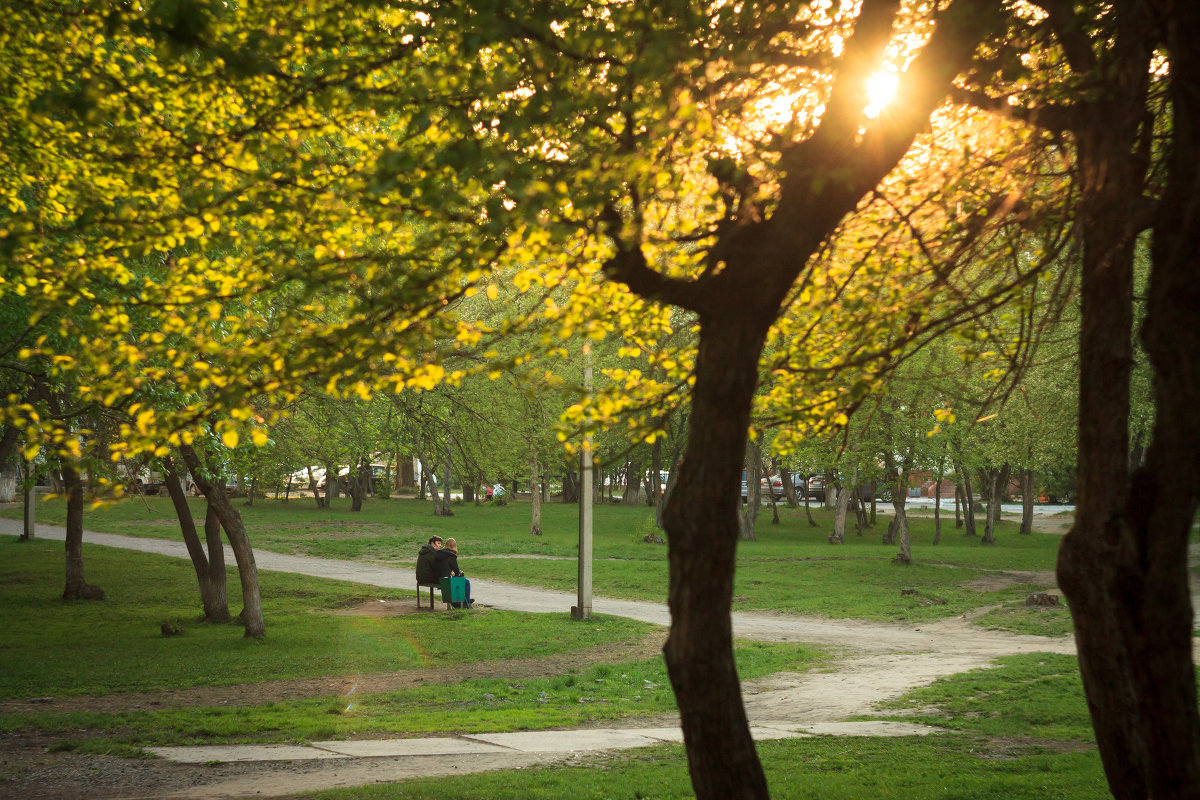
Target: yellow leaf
column 258, row 437
column 31, row 451
column 230, row 439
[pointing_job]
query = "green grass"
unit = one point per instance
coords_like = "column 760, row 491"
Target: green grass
column 1030, row 695
column 791, row 566
column 603, row 692
column 796, row 769
column 46, row 639
column 1031, row 620
column 1020, row 732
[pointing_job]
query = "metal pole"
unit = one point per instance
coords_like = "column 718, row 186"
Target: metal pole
column 584, row 609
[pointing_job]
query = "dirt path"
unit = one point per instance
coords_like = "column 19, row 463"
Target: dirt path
column 873, row 662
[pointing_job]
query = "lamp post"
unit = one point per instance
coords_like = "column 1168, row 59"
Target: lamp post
column 584, row 609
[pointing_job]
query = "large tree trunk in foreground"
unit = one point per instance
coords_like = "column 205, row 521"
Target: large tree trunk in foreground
column 210, row 569
column 77, row 588
column 231, row 521
column 702, row 523
column 1123, row 565
column 749, row 273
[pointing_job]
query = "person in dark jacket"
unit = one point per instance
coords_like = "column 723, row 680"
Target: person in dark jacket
column 427, row 569
column 446, row 561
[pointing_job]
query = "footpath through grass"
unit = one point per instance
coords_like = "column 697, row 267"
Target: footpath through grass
column 789, row 567
column 1020, row 732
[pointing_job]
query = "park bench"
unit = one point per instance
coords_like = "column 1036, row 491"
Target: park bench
column 454, row 590
column 420, row 589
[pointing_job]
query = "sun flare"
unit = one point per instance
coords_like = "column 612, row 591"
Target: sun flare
column 881, row 90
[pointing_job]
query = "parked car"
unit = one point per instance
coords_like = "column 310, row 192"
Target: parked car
column 816, row 487
column 771, row 483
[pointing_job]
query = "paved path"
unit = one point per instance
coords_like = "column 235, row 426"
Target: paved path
column 875, row 662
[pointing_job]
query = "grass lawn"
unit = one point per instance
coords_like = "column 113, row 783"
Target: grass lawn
column 1017, row 731
column 119, row 639
column 789, row 567
column 46, row 639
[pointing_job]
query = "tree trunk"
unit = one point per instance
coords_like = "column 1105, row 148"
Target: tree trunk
column 570, row 493
column 900, row 520
column 655, row 488
column 997, row 483
column 703, row 528
column 77, row 588
column 677, row 442
column 789, row 487
column 937, row 512
column 749, row 518
column 312, row 485
column 1123, row 564
column 8, row 464
column 535, row 519
column 331, row 484
column 771, row 497
column 1027, row 490
column 422, row 480
column 358, row 481
column 213, row 597
column 633, row 483
column 839, row 519
column 441, row 504
column 968, row 506
column 812, row 523
column 214, row 491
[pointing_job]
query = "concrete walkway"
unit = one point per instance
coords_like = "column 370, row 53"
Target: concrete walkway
column 878, row 661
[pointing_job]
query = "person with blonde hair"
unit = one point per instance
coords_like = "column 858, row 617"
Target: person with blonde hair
column 446, row 561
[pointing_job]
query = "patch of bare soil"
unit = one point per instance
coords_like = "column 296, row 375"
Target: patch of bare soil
column 997, row 581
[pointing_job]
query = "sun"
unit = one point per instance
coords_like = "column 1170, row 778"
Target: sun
column 881, row 90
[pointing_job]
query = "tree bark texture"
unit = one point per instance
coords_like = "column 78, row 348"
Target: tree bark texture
column 1123, row 565
column 839, row 519
column 753, row 467
column 213, row 598
column 703, row 529
column 937, row 511
column 771, row 498
column 535, row 478
column 235, row 531
column 76, row 587
column 968, row 505
column 442, row 507
column 1027, row 498
column 997, row 486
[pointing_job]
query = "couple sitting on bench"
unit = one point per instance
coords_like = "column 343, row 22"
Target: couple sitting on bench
column 438, row 560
